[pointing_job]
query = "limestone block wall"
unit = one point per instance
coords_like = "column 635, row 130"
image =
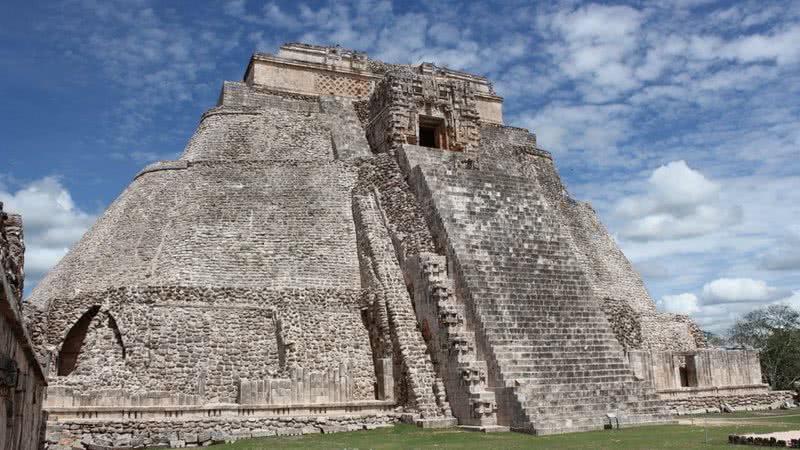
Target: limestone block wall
column 701, row 369
column 130, row 432
column 317, row 70
column 202, row 341
column 697, row 401
column 707, row 380
column 276, row 224
column 381, row 176
column 237, row 133
column 22, row 381
column 320, row 70
column 347, row 133
column 302, row 387
column 242, row 95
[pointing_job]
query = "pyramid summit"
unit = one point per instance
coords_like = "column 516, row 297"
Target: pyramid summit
column 346, row 243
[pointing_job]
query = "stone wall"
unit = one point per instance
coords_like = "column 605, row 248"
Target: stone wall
column 316, row 70
column 705, row 380
column 301, row 387
column 394, row 329
column 276, row 224
column 701, row 401
column 237, row 133
column 702, row 368
column 177, row 432
column 203, row 341
column 22, row 381
column 404, row 96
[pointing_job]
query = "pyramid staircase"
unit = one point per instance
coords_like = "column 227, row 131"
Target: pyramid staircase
column 552, row 359
column 452, row 344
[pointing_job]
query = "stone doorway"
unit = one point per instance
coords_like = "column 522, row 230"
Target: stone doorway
column 431, row 132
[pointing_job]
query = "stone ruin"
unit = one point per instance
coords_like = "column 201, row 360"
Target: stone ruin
column 22, row 380
column 345, row 244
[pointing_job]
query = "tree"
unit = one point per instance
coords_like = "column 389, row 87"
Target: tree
column 714, row 340
column 780, row 358
column 757, row 326
column 775, row 332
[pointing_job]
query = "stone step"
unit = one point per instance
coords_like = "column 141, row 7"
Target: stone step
column 547, row 350
column 562, row 346
column 525, row 366
column 539, row 323
column 511, row 358
column 564, row 425
column 548, row 335
column 576, row 409
column 546, row 395
column 531, row 388
column 522, row 379
column 631, row 400
column 565, row 374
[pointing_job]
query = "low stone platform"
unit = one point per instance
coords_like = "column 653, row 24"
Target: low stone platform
column 786, row 439
column 99, row 434
column 485, row 428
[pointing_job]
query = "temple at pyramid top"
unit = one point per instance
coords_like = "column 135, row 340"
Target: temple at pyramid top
column 316, row 70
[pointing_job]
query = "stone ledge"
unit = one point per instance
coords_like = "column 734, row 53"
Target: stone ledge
column 80, row 414
column 716, row 390
column 163, row 165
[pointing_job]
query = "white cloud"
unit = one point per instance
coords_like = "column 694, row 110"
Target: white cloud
column 678, row 202
column 784, row 254
column 52, row 223
column 793, row 300
column 143, row 157
column 563, row 127
column 730, row 290
column 780, row 47
column 685, row 303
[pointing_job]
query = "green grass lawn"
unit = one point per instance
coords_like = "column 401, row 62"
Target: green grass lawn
column 648, row 437
column 785, row 415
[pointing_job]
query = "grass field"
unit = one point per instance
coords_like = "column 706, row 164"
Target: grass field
column 708, row 432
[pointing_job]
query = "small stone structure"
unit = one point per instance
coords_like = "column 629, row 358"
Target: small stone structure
column 780, row 439
column 22, row 380
column 346, row 243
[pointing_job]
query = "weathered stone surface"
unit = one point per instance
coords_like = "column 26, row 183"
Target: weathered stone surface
column 22, row 380
column 306, row 267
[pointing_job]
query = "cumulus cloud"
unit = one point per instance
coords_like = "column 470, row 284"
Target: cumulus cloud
column 594, row 42
column 685, row 303
column 564, row 127
column 724, row 300
column 678, row 202
column 731, row 290
column 52, row 223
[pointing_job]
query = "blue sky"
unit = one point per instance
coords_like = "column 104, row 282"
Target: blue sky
column 679, row 123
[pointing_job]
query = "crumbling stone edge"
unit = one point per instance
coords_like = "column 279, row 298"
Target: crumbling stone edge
column 91, row 434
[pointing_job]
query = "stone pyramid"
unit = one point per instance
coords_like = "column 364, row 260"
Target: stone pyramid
column 346, row 243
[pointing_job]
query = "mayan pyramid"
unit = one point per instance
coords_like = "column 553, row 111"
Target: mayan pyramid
column 346, row 243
